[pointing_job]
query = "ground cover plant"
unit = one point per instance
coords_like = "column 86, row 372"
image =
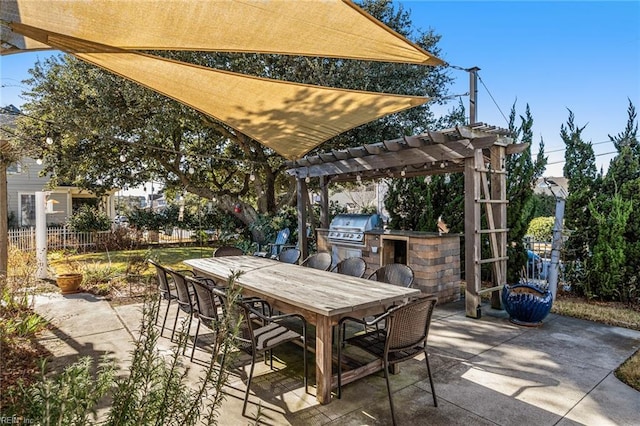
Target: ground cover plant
column 154, row 390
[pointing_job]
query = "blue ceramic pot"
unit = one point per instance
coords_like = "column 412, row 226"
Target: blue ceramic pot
column 526, row 304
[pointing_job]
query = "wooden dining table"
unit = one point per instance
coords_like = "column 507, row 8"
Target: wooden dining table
column 321, row 297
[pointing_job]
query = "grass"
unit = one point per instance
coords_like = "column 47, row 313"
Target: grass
column 120, row 261
column 125, row 275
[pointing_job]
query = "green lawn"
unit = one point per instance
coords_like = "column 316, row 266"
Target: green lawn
column 119, row 261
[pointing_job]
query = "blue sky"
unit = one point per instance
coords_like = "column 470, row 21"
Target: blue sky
column 554, row 56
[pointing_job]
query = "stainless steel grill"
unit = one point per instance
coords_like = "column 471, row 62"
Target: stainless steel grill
column 350, row 228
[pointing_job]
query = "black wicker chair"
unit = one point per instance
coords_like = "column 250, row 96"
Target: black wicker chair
column 228, row 251
column 321, row 260
column 261, row 332
column 166, row 291
column 291, row 255
column 185, row 299
column 394, row 273
column 207, row 305
column 354, row 266
column 404, row 336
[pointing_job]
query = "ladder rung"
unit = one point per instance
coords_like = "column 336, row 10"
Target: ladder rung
column 493, row 201
column 492, row 231
column 493, row 259
column 491, row 289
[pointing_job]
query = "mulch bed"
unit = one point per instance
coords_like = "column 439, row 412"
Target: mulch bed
column 20, row 363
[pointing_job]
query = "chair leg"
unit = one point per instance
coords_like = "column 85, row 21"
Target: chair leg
column 433, row 390
column 386, row 376
column 246, row 394
column 166, row 312
column 158, row 311
column 184, row 350
column 175, row 323
column 195, row 339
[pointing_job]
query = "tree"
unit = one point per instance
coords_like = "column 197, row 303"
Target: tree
column 111, row 133
column 623, row 180
column 606, row 265
column 580, row 170
column 522, row 174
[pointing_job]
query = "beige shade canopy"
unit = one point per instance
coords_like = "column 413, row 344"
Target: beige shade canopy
column 327, row 28
column 289, row 118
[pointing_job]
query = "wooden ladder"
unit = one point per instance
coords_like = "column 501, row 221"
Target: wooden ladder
column 485, row 185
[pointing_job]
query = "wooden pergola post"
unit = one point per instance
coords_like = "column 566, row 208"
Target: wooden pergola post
column 302, row 197
column 324, row 203
column 472, row 240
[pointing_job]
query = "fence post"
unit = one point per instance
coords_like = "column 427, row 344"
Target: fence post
column 41, row 235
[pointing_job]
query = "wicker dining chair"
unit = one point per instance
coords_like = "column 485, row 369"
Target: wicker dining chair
column 260, row 332
column 186, row 300
column 394, row 273
column 354, row 266
column 228, row 251
column 404, row 336
column 166, row 291
column 321, row 260
column 291, row 255
column 207, row 306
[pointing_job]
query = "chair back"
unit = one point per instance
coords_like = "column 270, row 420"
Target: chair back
column 182, row 289
column 291, row 255
column 206, row 302
column 354, row 266
column 394, row 273
column 281, row 239
column 283, row 236
column 228, row 251
column 320, row 261
column 408, row 324
column 161, row 277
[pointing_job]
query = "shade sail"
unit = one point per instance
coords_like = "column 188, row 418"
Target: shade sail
column 327, row 28
column 289, row 118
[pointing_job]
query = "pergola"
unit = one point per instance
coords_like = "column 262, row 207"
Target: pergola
column 478, row 150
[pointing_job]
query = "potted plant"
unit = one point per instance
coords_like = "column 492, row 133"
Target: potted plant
column 527, row 303
column 69, row 281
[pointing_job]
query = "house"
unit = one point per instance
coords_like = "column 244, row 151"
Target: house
column 24, row 179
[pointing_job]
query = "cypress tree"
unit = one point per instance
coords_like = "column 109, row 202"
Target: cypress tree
column 522, row 173
column 580, row 170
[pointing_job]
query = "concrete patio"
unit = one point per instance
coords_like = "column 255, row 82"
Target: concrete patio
column 486, row 371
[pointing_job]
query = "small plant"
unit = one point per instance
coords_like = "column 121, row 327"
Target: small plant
column 154, row 392
column 70, row 397
column 89, row 219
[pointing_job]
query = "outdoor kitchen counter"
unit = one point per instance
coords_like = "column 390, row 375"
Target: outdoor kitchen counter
column 434, row 258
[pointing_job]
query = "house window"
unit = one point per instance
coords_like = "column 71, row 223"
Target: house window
column 14, row 168
column 27, row 209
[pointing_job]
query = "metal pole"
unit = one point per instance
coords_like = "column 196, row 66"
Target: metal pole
column 556, row 244
column 473, row 94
